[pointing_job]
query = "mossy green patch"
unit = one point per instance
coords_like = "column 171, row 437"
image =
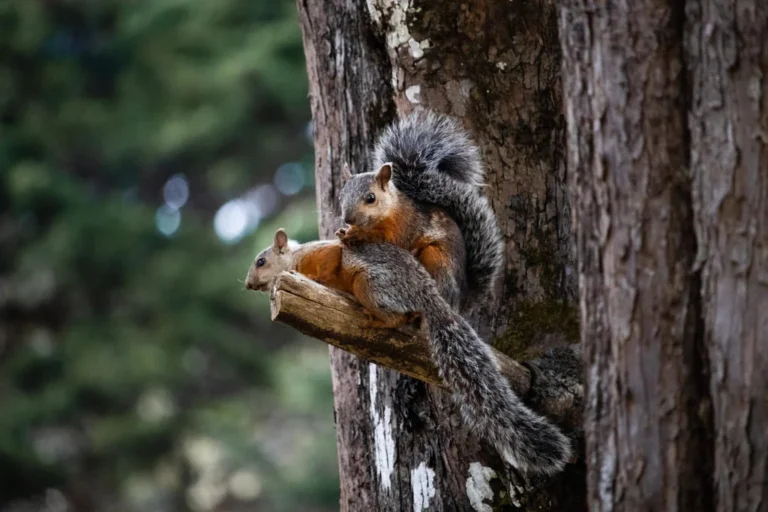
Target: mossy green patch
column 532, row 321
column 536, row 325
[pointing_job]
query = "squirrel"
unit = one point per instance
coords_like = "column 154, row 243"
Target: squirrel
column 392, row 286
column 375, row 212
column 425, row 196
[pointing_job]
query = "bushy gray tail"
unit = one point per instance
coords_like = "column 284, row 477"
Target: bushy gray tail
column 486, row 402
column 435, row 162
column 426, row 141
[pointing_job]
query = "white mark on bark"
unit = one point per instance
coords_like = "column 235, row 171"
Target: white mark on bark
column 398, row 78
column 374, row 11
column 413, row 94
column 383, row 442
column 423, row 486
column 392, row 15
column 501, row 65
column 372, row 374
column 384, row 445
column 608, row 459
column 479, row 487
column 396, row 12
column 341, row 62
column 607, row 472
column 417, row 51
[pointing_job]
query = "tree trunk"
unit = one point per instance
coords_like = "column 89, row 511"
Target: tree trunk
column 495, row 65
column 660, row 246
column 728, row 60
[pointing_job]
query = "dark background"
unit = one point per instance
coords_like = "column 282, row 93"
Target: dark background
column 148, row 149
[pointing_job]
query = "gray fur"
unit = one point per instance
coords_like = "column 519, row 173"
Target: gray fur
column 352, row 196
column 487, row 404
column 435, row 162
column 430, row 142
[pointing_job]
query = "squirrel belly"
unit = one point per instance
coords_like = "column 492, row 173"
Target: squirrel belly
column 322, row 262
column 487, row 404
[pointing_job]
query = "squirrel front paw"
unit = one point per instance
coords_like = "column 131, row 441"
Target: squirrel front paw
column 348, row 235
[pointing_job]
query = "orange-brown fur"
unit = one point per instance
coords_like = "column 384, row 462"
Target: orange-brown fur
column 433, row 256
column 324, row 265
column 392, row 228
column 397, row 227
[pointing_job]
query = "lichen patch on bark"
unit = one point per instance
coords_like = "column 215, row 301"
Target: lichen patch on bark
column 423, row 486
column 383, row 442
column 479, row 487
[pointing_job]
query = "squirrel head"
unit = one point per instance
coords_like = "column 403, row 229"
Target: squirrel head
column 368, row 197
column 270, row 262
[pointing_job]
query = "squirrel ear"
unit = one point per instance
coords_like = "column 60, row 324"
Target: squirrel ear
column 345, row 174
column 281, row 241
column 383, row 175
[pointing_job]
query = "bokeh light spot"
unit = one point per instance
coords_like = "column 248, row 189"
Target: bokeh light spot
column 176, row 191
column 231, row 221
column 289, row 178
column 167, row 220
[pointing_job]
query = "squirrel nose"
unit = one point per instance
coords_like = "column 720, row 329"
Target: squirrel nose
column 349, row 218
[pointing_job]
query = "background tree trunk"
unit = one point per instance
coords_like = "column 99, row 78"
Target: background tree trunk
column 636, row 122
column 495, row 65
column 727, row 55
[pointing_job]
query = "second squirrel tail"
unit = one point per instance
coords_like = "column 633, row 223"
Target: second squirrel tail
column 487, row 404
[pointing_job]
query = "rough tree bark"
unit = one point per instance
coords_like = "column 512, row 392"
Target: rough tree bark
column 666, row 110
column 495, row 65
column 635, row 230
column 727, row 55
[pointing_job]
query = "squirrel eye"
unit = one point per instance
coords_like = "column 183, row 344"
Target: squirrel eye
column 260, row 262
column 370, row 198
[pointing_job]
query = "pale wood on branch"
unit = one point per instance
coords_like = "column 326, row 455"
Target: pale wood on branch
column 339, row 320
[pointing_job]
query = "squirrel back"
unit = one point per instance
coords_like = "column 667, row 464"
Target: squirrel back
column 435, row 162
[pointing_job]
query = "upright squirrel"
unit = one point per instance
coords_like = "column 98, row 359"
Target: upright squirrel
column 425, row 197
column 392, row 285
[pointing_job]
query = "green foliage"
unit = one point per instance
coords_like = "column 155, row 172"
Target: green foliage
column 136, row 373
